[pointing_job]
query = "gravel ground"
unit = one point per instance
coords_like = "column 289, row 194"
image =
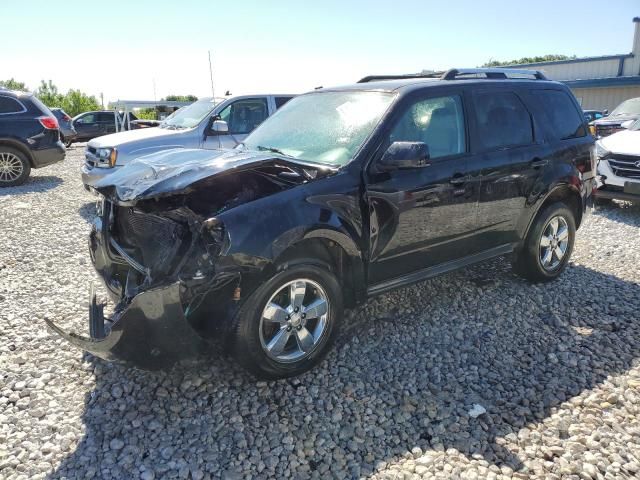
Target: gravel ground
column 475, row 374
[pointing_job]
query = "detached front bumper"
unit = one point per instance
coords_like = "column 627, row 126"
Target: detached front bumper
column 152, row 332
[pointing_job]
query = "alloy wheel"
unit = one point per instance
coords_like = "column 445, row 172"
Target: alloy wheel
column 10, row 167
column 554, row 243
column 294, row 321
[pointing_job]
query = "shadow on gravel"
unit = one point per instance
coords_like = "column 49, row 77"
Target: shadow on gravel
column 406, row 380
column 88, row 211
column 34, row 184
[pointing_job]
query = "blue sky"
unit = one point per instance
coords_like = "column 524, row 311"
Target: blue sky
column 122, row 47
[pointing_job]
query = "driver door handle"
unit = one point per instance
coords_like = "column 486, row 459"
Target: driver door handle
column 537, row 163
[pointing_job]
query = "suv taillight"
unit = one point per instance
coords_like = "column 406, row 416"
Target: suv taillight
column 49, row 122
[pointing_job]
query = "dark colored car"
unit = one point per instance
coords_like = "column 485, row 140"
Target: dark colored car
column 29, row 137
column 621, row 117
column 591, row 115
column 68, row 134
column 89, row 125
column 343, row 194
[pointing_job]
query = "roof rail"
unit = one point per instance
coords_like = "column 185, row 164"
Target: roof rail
column 493, row 73
column 374, row 78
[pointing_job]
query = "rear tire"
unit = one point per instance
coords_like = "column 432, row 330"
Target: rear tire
column 288, row 324
column 548, row 245
column 14, row 167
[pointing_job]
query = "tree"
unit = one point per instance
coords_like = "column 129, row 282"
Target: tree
column 12, row 84
column 73, row 102
column 48, row 94
column 537, row 59
column 180, row 98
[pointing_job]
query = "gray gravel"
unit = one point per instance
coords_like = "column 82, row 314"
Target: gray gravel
column 476, row 374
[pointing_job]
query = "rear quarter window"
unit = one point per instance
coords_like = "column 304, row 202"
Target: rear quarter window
column 560, row 113
column 10, row 105
column 502, row 120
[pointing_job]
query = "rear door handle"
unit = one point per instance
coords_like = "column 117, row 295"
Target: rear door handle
column 537, row 163
column 458, row 179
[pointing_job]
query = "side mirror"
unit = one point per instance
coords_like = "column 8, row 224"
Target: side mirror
column 218, row 127
column 403, row 155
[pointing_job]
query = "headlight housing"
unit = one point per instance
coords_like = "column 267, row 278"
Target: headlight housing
column 106, row 157
column 601, row 152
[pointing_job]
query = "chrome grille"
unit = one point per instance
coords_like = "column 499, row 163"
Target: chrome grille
column 625, row 166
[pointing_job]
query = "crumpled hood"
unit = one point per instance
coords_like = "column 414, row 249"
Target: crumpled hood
column 617, row 120
column 626, row 142
column 129, row 136
column 174, row 171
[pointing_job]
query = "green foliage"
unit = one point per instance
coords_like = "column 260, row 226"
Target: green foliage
column 73, row 102
column 12, row 84
column 146, row 114
column 537, row 59
column 180, row 98
column 49, row 95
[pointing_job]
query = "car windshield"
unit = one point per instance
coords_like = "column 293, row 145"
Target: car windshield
column 321, row 127
column 189, row 116
column 629, row 107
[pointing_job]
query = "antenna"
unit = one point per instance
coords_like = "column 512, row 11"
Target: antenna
column 211, row 77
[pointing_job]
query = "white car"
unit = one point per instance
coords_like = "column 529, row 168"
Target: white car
column 619, row 164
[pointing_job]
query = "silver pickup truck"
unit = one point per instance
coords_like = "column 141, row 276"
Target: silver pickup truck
column 203, row 124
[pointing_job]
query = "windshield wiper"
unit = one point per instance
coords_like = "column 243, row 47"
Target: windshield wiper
column 272, row 150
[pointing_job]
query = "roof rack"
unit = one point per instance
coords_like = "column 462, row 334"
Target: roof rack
column 493, row 73
column 374, row 78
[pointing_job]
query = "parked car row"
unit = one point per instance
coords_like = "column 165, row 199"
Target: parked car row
column 342, row 194
column 203, row 124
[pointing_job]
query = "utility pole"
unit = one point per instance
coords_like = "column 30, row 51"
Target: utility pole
column 102, row 99
column 154, row 90
column 211, row 77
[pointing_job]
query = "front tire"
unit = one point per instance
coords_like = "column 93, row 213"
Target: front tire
column 288, row 324
column 548, row 245
column 14, row 167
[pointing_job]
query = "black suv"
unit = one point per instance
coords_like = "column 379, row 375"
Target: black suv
column 343, row 194
column 29, row 137
column 90, row 125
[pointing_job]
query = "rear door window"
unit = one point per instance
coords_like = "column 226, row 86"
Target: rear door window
column 502, row 120
column 561, row 114
column 9, row 105
column 106, row 117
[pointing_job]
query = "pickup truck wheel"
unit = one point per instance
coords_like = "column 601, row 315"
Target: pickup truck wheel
column 548, row 245
column 287, row 325
column 14, row 167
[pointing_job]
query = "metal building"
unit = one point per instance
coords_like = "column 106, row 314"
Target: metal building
column 598, row 82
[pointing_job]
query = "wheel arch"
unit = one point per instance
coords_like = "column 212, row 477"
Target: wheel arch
column 562, row 192
column 12, row 143
column 332, row 250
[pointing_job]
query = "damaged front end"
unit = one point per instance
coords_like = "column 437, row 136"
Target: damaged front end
column 162, row 250
column 158, row 266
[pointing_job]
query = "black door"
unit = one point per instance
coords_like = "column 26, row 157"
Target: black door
column 510, row 164
column 87, row 126
column 107, row 121
column 424, row 216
